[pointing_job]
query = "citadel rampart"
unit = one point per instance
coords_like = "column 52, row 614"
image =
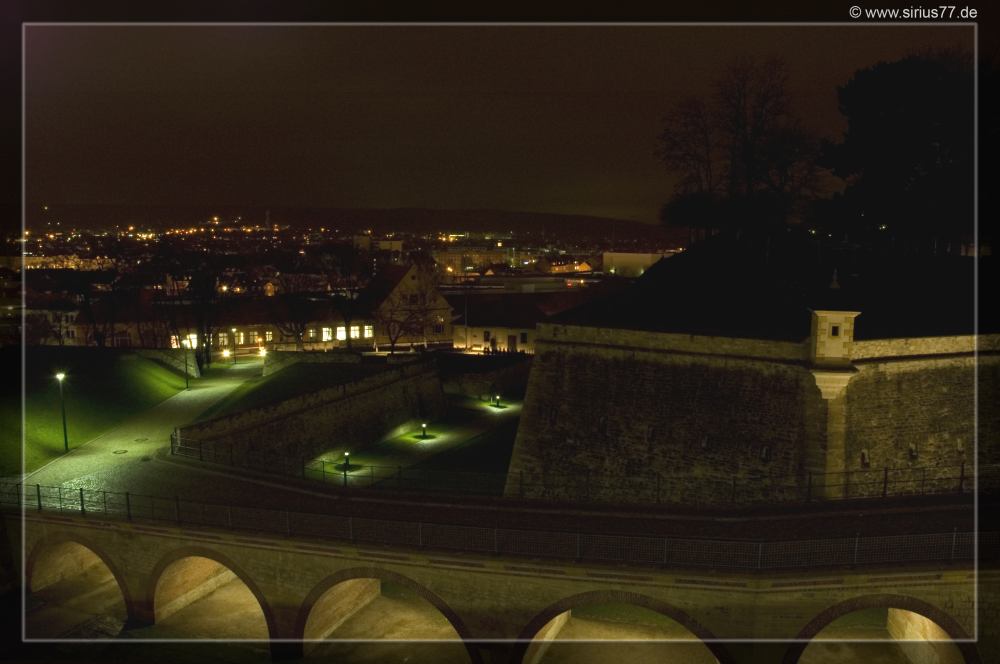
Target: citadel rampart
column 173, row 358
column 698, row 412
column 276, row 360
column 350, row 414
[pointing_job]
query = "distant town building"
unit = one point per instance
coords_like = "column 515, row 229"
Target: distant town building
column 564, row 265
column 507, row 322
column 399, row 309
column 628, row 264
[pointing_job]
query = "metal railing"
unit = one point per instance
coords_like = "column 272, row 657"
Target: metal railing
column 560, row 545
column 651, row 488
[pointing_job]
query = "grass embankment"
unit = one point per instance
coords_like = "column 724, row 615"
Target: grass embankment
column 293, row 381
column 103, row 388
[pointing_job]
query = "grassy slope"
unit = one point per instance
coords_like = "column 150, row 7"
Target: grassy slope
column 102, row 387
column 289, row 382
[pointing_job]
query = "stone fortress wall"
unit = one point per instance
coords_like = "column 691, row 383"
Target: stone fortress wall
column 698, row 413
column 276, row 360
column 348, row 414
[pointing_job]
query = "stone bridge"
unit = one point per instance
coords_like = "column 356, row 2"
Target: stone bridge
column 305, row 588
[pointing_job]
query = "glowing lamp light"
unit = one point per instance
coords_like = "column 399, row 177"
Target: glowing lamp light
column 225, row 353
column 263, row 352
column 60, row 376
column 423, row 430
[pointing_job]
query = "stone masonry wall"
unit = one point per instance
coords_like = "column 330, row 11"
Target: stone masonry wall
column 613, row 417
column 346, row 414
column 609, row 410
column 927, row 404
column 276, row 360
column 509, row 381
column 173, row 358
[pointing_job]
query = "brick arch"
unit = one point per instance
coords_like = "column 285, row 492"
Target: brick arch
column 526, row 636
column 827, row 616
column 393, row 577
column 55, row 540
column 202, row 552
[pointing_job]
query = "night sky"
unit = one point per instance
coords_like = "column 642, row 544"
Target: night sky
column 553, row 119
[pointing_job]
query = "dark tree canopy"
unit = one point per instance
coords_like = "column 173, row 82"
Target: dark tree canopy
column 741, row 156
column 907, row 154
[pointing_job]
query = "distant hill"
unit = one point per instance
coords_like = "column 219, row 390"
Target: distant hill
column 413, row 220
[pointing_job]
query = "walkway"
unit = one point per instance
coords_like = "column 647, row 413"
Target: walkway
column 119, row 458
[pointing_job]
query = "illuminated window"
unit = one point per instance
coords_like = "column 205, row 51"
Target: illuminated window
column 327, row 334
column 222, row 338
column 355, row 332
column 369, row 331
column 341, row 333
column 173, row 341
column 268, row 335
column 240, row 338
column 191, row 341
column 312, row 333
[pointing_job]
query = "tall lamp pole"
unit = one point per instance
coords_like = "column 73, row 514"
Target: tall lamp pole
column 62, row 403
column 234, row 345
column 184, row 346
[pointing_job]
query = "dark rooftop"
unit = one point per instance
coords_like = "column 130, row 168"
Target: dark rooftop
column 766, row 289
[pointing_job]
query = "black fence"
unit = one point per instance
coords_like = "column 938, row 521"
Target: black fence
column 596, row 488
column 560, row 545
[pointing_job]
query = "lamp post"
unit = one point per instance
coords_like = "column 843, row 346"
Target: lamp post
column 423, row 430
column 62, row 403
column 184, row 346
column 234, row 345
column 498, row 400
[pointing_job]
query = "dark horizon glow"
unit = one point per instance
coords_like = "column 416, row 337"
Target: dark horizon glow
column 547, row 119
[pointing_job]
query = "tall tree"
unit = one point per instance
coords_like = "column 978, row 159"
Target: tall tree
column 741, row 157
column 907, row 154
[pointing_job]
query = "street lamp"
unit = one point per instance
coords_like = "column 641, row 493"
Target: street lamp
column 62, row 403
column 498, row 400
column 234, row 345
column 423, row 430
column 185, row 344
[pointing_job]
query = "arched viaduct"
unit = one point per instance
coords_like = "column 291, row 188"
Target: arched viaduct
column 487, row 598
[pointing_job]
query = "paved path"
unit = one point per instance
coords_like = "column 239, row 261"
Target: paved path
column 111, row 459
column 141, row 470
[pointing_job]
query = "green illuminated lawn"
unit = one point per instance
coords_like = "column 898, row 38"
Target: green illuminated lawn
column 103, row 388
column 469, row 449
